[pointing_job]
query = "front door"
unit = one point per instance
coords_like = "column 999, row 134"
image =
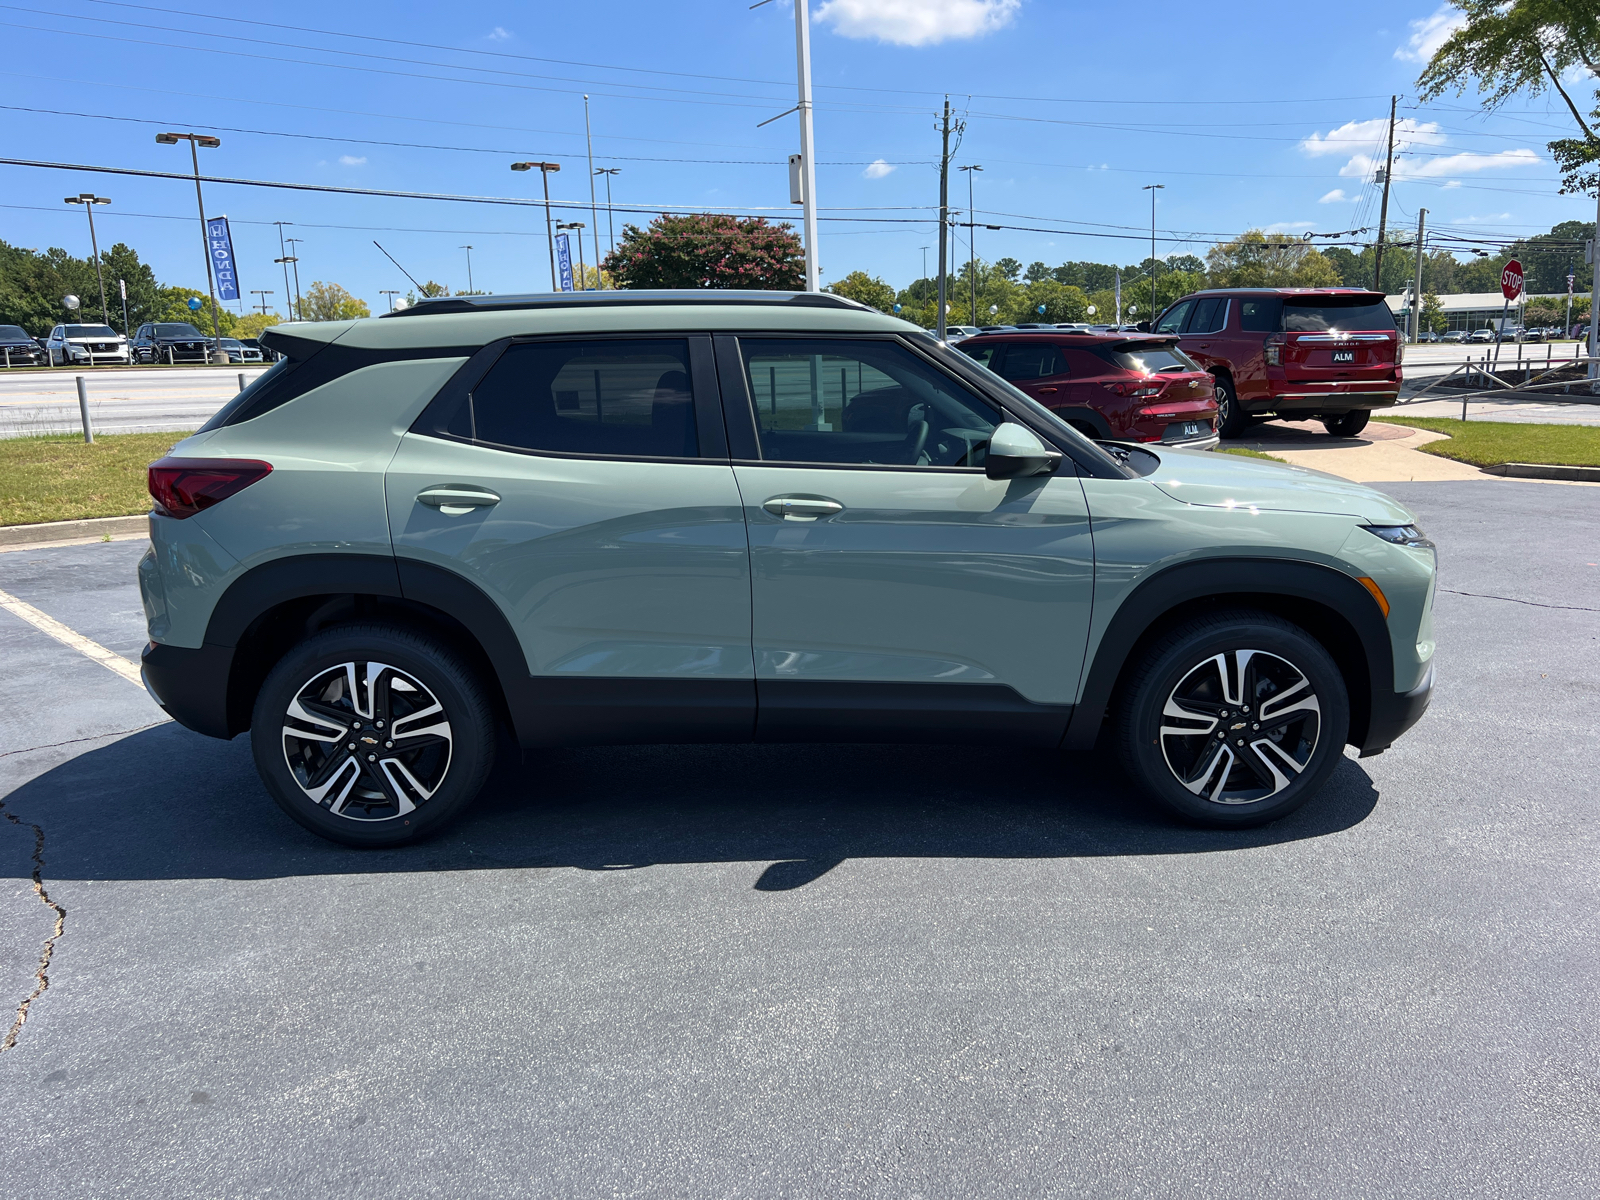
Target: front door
column 898, row 593
column 583, row 486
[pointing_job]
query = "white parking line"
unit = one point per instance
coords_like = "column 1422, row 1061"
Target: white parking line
column 45, row 623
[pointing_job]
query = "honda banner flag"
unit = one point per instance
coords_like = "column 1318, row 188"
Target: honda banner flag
column 220, row 246
column 564, row 261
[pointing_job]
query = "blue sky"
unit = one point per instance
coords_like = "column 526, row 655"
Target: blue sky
column 1254, row 115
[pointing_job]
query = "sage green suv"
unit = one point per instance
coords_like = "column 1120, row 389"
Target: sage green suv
column 623, row 517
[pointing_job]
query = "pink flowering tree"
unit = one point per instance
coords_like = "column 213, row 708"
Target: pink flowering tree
column 708, row 251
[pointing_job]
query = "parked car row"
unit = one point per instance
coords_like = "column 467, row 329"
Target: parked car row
column 155, row 342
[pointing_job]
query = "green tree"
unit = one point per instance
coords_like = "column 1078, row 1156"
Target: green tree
column 173, row 305
column 330, row 302
column 251, row 325
column 866, row 289
column 708, row 251
column 430, row 291
column 1257, row 259
column 1010, row 268
column 1036, row 272
column 32, row 285
column 1506, row 48
column 1433, row 318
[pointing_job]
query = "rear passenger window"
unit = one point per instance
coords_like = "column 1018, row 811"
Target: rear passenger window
column 629, row 399
column 1030, row 360
column 1260, row 316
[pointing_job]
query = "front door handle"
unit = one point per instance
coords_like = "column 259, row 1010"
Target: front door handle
column 1048, row 391
column 802, row 508
column 455, row 501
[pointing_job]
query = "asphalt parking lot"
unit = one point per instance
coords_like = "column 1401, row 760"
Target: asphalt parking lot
column 821, row 971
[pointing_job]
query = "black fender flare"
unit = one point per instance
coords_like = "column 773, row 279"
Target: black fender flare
column 1317, row 596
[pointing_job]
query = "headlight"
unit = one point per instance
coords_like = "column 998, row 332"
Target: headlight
column 1401, row 535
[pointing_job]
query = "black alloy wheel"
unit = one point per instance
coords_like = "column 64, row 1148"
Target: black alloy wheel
column 1231, row 422
column 372, row 735
column 1233, row 719
column 1347, row 424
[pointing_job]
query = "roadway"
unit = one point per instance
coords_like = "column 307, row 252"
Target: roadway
column 121, row 399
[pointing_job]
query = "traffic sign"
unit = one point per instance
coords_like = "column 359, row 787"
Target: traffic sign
column 1511, row 280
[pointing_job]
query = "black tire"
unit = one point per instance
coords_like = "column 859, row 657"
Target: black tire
column 396, row 675
column 1347, row 424
column 1231, row 421
column 1246, row 782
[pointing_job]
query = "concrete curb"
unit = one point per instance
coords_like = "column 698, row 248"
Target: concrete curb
column 1543, row 471
column 54, row 531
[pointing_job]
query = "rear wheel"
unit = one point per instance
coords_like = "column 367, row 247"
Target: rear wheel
column 1347, row 424
column 1233, row 719
column 372, row 735
column 1231, row 422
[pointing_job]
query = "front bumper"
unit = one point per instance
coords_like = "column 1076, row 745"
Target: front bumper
column 1395, row 712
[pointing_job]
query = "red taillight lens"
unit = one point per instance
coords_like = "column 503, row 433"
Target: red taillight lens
column 1136, row 389
column 1272, row 351
column 182, row 487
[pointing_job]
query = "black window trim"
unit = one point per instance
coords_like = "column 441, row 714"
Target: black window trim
column 702, row 382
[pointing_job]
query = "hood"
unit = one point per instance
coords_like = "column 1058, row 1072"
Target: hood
column 1215, row 480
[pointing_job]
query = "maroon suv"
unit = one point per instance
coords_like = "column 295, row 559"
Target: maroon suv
column 1109, row 386
column 1332, row 354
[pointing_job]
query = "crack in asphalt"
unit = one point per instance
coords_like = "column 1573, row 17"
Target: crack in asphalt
column 1514, row 600
column 42, row 975
column 74, row 741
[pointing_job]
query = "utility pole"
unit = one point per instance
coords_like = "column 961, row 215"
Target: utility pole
column 1383, row 212
column 1153, row 188
column 945, row 129
column 808, row 165
column 468, row 249
column 594, row 207
column 288, row 296
column 1416, row 285
column 299, row 306
column 262, row 303
column 549, row 235
column 611, row 224
column 972, row 248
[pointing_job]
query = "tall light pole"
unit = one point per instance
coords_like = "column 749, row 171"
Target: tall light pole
column 391, row 293
column 611, row 225
column 299, row 305
column 89, row 200
column 1153, row 188
column 972, row 240
column 261, row 304
column 196, row 140
column 288, row 296
column 468, row 249
column 544, row 169
column 594, row 208
column 924, row 250
column 583, row 270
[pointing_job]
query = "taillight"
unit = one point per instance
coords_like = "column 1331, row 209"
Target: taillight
column 1399, row 352
column 1272, row 351
column 182, row 487
column 1135, row 389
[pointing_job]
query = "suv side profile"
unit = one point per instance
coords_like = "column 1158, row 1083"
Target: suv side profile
column 1331, row 354
column 1108, row 386
column 717, row 516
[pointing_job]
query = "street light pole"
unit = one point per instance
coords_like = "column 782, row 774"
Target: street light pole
column 972, row 238
column 583, row 269
column 545, row 168
column 1153, row 188
column 594, row 210
column 89, row 200
column 288, row 296
column 196, row 140
column 468, row 249
column 611, row 224
column 391, row 293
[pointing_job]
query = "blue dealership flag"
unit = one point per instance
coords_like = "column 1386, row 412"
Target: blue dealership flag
column 564, row 262
column 220, row 245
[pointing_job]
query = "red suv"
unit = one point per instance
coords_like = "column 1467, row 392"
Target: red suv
column 1109, row 386
column 1332, row 354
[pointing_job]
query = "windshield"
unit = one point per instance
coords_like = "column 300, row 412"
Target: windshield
column 1148, row 360
column 1328, row 312
column 13, row 333
column 176, row 329
column 88, row 331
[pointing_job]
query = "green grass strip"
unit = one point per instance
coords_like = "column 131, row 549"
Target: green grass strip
column 1489, row 443
column 62, row 478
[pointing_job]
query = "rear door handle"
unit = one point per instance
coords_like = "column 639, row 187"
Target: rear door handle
column 802, row 508
column 455, row 501
column 1047, row 391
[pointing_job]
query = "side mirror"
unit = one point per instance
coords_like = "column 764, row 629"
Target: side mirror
column 1015, row 453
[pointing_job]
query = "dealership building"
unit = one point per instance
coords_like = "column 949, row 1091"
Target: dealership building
column 1472, row 310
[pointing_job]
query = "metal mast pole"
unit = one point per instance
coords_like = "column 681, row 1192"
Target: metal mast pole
column 944, row 210
column 1594, row 298
column 1416, row 284
column 288, row 296
column 205, row 242
column 549, row 233
column 1383, row 211
column 88, row 208
column 594, row 205
column 808, row 166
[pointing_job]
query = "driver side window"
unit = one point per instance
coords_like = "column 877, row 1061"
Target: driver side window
column 861, row 401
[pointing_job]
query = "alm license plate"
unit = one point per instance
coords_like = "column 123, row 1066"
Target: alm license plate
column 1343, row 356
column 1193, row 429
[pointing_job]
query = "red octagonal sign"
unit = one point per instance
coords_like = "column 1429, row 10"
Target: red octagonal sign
column 1511, row 280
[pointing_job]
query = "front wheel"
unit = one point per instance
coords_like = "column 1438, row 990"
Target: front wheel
column 1347, row 424
column 1231, row 422
column 372, row 735
column 1233, row 719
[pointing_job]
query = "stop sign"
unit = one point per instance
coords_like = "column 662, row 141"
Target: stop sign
column 1511, row 280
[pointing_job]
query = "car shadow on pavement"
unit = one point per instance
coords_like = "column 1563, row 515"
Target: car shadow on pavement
column 168, row 804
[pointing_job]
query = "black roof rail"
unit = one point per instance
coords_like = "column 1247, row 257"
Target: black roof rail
column 622, row 297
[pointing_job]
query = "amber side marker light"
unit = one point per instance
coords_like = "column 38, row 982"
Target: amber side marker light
column 1377, row 593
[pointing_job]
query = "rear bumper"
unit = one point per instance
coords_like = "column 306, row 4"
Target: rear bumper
column 1395, row 712
column 191, row 686
column 1326, row 400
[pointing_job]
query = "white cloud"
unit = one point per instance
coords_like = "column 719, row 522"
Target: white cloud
column 917, row 22
column 1336, row 196
column 1428, row 34
column 1286, row 226
column 1365, row 142
column 1101, row 167
column 350, row 160
column 497, row 34
column 1355, row 136
column 1485, row 219
column 877, row 169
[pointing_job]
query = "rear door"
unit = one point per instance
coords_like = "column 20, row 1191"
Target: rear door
column 583, row 486
column 1339, row 339
column 898, row 593
column 1202, row 335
